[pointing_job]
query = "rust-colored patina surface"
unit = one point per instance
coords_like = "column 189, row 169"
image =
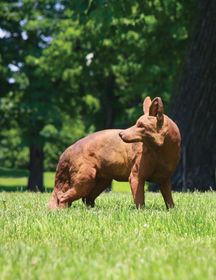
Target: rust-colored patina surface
column 149, row 150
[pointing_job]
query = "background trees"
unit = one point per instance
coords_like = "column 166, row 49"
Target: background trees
column 194, row 105
column 32, row 101
column 68, row 68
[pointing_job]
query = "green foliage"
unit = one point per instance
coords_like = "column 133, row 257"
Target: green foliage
column 71, row 67
column 111, row 241
column 13, row 153
column 118, row 52
column 69, row 133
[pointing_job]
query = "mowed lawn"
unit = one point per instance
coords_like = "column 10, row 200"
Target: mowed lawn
column 111, row 241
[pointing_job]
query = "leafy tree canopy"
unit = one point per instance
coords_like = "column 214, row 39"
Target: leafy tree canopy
column 71, row 67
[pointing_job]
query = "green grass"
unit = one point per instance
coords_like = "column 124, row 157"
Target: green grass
column 16, row 180
column 13, row 180
column 111, row 241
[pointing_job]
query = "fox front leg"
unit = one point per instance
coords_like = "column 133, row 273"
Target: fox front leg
column 137, row 189
column 165, row 188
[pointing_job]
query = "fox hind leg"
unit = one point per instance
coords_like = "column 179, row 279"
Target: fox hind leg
column 100, row 186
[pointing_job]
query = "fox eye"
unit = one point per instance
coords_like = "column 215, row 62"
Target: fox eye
column 140, row 125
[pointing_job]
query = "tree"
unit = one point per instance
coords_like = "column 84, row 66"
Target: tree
column 129, row 43
column 93, row 61
column 34, row 101
column 194, row 104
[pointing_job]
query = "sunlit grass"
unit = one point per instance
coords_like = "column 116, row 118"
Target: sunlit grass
column 7, row 181
column 111, row 241
column 49, row 178
column 120, row 186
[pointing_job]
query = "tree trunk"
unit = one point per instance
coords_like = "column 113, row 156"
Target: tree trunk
column 35, row 181
column 109, row 100
column 109, row 105
column 194, row 105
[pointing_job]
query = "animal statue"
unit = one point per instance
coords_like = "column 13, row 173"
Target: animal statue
column 147, row 151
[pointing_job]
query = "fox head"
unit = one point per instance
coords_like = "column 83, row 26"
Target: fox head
column 150, row 128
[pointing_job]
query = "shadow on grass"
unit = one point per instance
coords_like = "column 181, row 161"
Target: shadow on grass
column 128, row 207
column 13, row 173
column 13, row 188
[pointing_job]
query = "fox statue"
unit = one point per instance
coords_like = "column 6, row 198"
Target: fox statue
column 147, row 151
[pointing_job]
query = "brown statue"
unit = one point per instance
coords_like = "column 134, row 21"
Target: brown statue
column 149, row 150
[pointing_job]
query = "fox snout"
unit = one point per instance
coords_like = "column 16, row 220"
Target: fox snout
column 122, row 135
column 129, row 135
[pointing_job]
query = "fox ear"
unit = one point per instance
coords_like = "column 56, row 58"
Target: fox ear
column 156, row 109
column 146, row 104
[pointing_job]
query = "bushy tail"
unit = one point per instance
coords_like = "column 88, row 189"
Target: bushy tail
column 53, row 203
column 61, row 184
